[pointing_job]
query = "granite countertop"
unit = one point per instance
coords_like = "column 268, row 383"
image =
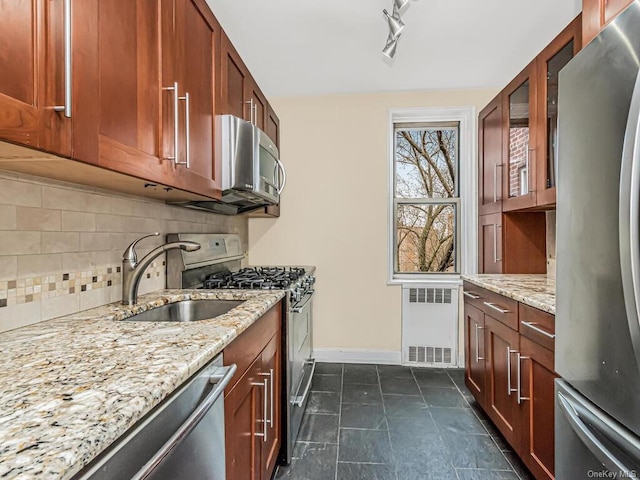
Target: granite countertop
column 538, row 291
column 73, row 385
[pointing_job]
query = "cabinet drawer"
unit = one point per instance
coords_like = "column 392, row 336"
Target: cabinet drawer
column 537, row 325
column 501, row 308
column 250, row 343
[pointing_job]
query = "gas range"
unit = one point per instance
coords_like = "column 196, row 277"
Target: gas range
column 216, row 265
column 298, row 280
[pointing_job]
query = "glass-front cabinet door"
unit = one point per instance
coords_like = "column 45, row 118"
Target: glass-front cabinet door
column 550, row 62
column 519, row 141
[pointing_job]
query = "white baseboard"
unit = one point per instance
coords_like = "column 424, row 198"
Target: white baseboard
column 338, row 355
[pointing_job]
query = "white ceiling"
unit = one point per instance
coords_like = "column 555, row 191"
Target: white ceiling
column 317, row 47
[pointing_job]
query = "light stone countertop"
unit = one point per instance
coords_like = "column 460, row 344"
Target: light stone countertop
column 538, row 291
column 72, row 385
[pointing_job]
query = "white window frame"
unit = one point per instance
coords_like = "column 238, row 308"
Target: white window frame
column 468, row 189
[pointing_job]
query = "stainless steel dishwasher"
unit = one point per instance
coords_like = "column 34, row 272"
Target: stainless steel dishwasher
column 181, row 438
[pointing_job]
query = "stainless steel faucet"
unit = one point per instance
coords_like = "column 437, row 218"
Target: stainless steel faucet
column 132, row 270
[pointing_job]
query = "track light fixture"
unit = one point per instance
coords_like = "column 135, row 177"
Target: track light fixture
column 395, row 23
column 389, row 49
column 395, row 27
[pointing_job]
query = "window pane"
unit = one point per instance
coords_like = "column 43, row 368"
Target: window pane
column 425, row 238
column 426, row 162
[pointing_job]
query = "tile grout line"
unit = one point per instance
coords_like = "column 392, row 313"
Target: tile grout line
column 433, row 419
column 513, row 469
column 339, row 419
column 384, row 410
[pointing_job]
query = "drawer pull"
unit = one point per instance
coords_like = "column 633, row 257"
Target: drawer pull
column 498, row 309
column 471, row 295
column 532, row 326
column 478, row 357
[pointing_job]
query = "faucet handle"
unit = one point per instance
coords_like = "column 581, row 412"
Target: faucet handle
column 130, row 253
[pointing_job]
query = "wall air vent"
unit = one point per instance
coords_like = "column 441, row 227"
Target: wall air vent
column 433, row 355
column 429, row 295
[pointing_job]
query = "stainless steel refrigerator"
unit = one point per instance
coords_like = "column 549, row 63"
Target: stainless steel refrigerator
column 597, row 417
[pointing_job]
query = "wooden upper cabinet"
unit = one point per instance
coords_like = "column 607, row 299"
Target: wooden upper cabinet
column 598, row 13
column 519, row 140
column 33, row 78
column 235, row 81
column 116, row 95
column 273, row 126
column 197, row 41
column 552, row 59
column 490, row 157
column 240, row 94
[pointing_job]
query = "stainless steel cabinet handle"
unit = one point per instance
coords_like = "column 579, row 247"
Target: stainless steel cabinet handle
column 478, row 357
column 532, row 326
column 255, row 114
column 520, row 397
column 509, row 353
column 495, row 243
column 265, row 385
column 187, row 128
column 471, row 295
column 530, row 188
column 270, row 375
column 495, row 182
column 66, row 108
column 271, row 423
column 174, row 89
column 189, row 424
column 251, row 110
column 498, row 309
column 284, row 176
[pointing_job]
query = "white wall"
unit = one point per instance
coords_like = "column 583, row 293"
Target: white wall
column 334, row 210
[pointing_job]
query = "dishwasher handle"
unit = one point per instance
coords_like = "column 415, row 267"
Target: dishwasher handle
column 221, row 380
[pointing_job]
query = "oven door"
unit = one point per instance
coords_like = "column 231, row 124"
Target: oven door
column 302, row 365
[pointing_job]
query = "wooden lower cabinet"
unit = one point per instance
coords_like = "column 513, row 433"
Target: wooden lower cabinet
column 501, row 404
column 509, row 369
column 253, row 400
column 474, row 352
column 537, row 388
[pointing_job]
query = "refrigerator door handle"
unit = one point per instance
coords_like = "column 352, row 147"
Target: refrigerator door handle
column 629, row 219
column 590, row 428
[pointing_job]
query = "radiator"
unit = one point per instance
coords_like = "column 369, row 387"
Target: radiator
column 430, row 325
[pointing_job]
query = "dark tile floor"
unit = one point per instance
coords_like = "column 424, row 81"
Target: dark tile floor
column 383, row 422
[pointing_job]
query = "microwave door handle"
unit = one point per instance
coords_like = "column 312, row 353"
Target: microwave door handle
column 284, row 176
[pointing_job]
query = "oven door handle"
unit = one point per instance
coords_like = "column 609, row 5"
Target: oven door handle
column 299, row 308
column 299, row 400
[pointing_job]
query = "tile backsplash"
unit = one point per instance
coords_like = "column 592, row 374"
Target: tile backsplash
column 61, row 245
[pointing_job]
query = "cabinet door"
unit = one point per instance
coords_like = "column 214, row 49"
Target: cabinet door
column 490, row 243
column 33, row 78
column 597, row 13
column 537, row 389
column 519, row 141
column 555, row 56
column 243, row 407
column 234, row 81
column 271, row 368
column 117, row 86
column 474, row 352
column 501, row 404
column 197, row 40
column 490, row 157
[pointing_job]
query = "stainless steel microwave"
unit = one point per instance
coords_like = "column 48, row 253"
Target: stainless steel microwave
column 252, row 174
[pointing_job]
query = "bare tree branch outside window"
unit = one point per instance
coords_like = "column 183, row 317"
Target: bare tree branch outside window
column 426, row 198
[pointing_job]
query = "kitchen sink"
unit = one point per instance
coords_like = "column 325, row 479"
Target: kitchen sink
column 186, row 311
